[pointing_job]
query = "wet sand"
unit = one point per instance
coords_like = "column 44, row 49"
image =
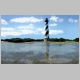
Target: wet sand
column 38, row 62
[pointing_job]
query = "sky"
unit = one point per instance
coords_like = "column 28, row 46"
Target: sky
column 33, row 26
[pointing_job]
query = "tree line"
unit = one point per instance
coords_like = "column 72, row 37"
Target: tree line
column 38, row 40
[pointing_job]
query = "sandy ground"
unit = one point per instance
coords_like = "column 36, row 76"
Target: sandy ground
column 38, row 62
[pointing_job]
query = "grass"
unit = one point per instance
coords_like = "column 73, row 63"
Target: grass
column 66, row 42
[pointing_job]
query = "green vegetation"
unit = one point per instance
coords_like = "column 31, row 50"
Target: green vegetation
column 76, row 39
column 18, row 40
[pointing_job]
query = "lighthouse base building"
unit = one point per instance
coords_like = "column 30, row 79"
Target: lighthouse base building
column 46, row 39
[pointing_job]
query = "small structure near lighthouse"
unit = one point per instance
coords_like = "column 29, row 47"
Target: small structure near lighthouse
column 46, row 38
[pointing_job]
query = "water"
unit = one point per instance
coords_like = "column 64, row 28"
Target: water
column 38, row 53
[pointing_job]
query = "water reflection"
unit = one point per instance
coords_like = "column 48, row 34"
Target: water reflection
column 47, row 44
column 39, row 53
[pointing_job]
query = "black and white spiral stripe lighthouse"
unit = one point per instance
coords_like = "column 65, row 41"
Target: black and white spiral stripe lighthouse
column 46, row 30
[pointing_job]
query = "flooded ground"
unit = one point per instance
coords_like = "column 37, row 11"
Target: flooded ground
column 39, row 53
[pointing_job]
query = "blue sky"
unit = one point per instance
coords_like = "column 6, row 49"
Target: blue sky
column 32, row 26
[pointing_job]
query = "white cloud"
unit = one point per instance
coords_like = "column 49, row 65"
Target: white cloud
column 43, row 32
column 22, row 30
column 40, row 29
column 4, row 22
column 56, row 19
column 54, row 24
column 27, row 31
column 14, row 33
column 75, row 20
column 26, row 20
column 72, row 20
column 55, row 31
column 17, row 33
column 30, row 26
column 7, row 29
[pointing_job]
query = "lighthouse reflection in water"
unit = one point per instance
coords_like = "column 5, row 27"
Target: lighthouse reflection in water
column 47, row 51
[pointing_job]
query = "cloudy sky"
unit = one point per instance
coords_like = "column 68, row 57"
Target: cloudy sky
column 32, row 26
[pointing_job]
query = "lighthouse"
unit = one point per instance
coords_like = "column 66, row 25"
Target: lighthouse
column 46, row 38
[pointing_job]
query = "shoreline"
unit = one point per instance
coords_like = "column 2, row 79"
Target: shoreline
column 49, row 42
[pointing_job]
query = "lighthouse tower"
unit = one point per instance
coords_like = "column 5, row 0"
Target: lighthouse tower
column 46, row 38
